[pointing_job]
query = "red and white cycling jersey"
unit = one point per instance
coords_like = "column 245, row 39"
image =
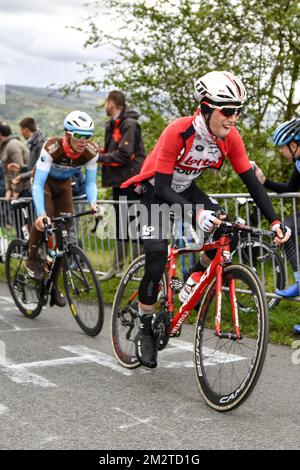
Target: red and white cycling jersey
column 187, row 159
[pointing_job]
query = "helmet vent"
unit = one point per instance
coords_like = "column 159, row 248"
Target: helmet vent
column 230, row 90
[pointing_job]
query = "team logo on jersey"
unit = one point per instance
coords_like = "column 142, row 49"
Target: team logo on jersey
column 52, row 148
column 66, row 161
column 147, row 231
column 199, row 148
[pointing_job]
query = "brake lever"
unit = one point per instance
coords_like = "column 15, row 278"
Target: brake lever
column 97, row 220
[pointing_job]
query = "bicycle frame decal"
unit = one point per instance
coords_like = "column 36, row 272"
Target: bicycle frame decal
column 219, row 299
column 234, row 307
column 73, row 309
column 199, row 289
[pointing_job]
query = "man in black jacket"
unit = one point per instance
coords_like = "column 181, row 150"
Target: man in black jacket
column 121, row 158
column 35, row 141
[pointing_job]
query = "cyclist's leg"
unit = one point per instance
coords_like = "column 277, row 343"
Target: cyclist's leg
column 290, row 249
column 34, row 267
column 155, row 262
column 155, row 247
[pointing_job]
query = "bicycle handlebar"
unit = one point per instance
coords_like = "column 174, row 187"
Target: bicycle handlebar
column 228, row 227
column 68, row 216
column 64, row 216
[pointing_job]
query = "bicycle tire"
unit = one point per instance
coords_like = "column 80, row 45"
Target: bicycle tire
column 260, row 248
column 221, row 391
column 83, row 292
column 125, row 320
column 25, row 291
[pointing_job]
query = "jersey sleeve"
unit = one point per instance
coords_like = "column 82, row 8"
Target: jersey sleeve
column 90, row 179
column 169, row 148
column 237, row 154
column 43, row 166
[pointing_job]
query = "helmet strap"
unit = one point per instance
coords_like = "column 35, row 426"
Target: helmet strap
column 293, row 152
column 206, row 112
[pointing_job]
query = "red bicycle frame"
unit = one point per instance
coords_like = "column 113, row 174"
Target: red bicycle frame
column 215, row 269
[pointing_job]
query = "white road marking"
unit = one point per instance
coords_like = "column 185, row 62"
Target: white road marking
column 20, row 373
column 2, row 353
column 212, row 357
column 97, row 357
column 177, row 345
column 3, row 409
column 9, row 309
column 49, row 439
column 175, row 364
column 5, row 299
column 32, row 329
column 137, row 420
column 22, row 376
column 7, row 322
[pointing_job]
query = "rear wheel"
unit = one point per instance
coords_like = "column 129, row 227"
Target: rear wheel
column 228, row 368
column 26, row 292
column 83, row 291
column 125, row 319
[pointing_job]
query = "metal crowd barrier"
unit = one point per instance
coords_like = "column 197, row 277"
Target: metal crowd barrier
column 110, row 256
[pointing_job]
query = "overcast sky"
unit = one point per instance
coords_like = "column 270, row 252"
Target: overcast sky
column 36, row 49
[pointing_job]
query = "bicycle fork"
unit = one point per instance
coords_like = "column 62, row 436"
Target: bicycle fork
column 234, row 307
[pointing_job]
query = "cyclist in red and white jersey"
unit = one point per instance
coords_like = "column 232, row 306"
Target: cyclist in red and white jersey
column 185, row 149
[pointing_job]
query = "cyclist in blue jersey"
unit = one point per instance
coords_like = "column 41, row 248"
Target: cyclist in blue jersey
column 287, row 137
column 52, row 190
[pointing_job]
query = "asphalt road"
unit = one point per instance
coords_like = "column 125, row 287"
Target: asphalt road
column 63, row 390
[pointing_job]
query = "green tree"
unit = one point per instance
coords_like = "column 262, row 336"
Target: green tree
column 161, row 47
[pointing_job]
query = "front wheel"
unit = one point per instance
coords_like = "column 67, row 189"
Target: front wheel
column 26, row 292
column 227, row 368
column 125, row 318
column 83, row 291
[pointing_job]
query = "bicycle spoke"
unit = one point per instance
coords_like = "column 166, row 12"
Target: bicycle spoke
column 83, row 292
column 229, row 367
column 25, row 291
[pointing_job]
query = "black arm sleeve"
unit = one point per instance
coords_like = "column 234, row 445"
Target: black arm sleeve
column 290, row 187
column 163, row 190
column 259, row 194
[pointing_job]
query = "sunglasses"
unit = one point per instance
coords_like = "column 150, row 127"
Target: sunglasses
column 226, row 110
column 78, row 136
column 230, row 111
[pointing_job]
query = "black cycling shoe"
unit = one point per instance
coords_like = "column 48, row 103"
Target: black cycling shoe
column 34, row 269
column 57, row 298
column 146, row 343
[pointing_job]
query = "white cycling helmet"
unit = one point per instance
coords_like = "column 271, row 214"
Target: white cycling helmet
column 79, row 121
column 220, row 88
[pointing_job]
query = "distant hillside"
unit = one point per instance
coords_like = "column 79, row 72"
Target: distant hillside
column 48, row 107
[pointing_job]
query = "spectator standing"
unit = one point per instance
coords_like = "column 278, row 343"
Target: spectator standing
column 35, row 141
column 121, row 158
column 12, row 150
